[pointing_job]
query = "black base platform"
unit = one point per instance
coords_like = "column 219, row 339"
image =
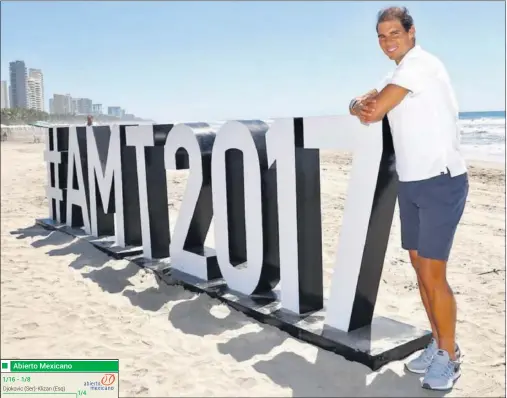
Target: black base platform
column 105, row 244
column 384, row 341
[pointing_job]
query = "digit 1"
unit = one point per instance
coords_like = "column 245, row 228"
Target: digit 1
column 299, row 216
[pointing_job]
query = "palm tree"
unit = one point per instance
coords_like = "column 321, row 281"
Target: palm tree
column 22, row 116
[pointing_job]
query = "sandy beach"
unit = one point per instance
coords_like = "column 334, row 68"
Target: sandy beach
column 61, row 298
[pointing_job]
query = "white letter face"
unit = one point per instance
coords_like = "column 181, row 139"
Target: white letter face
column 188, row 253
column 105, row 176
column 77, row 196
column 367, row 217
column 141, row 137
column 236, row 223
column 299, row 216
column 148, row 141
column 53, row 159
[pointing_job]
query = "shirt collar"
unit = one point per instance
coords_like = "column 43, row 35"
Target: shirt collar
column 412, row 52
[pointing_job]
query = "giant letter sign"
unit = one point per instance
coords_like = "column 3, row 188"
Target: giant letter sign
column 56, row 172
column 104, row 161
column 260, row 183
column 299, row 216
column 366, row 222
column 152, row 189
column 77, row 184
column 244, row 242
column 188, row 252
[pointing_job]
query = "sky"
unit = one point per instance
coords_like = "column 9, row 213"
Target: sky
column 206, row 61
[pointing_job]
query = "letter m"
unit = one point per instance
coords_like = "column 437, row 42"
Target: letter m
column 104, row 167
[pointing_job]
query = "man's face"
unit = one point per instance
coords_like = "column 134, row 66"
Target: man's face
column 394, row 40
column 90, row 120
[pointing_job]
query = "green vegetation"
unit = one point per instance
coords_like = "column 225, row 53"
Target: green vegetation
column 29, row 116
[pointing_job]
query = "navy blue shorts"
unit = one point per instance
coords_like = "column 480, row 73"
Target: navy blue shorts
column 430, row 211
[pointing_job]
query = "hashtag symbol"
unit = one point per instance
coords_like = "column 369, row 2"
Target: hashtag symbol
column 53, row 157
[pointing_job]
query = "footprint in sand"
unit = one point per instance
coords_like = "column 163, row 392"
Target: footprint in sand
column 30, row 326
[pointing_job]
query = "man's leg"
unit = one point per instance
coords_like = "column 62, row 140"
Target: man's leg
column 442, row 201
column 415, row 260
column 432, row 274
column 409, row 220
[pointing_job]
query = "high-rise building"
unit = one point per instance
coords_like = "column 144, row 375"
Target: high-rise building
column 19, row 90
column 62, row 104
column 51, row 106
column 83, row 106
column 97, row 109
column 114, row 111
column 4, row 95
column 35, row 89
column 73, row 108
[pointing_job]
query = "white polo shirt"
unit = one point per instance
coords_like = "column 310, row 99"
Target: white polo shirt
column 424, row 125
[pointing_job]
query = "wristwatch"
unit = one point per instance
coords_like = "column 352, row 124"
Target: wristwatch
column 353, row 104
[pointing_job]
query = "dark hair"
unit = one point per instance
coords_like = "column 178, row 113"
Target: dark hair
column 399, row 13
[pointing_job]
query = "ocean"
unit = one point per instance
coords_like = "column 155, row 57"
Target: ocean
column 483, row 135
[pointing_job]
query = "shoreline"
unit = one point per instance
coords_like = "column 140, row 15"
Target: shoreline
column 473, row 165
column 493, row 163
column 487, row 154
column 485, row 164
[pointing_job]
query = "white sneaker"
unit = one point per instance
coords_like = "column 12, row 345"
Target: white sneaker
column 420, row 364
column 442, row 373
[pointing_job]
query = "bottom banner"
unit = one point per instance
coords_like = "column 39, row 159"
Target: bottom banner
column 58, row 378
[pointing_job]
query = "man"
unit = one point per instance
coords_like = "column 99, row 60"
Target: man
column 89, row 121
column 422, row 111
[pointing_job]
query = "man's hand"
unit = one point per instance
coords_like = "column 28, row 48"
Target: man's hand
column 390, row 97
column 363, row 107
column 373, row 106
column 367, row 110
column 361, row 102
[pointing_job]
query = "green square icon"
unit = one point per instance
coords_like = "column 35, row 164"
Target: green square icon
column 5, row 365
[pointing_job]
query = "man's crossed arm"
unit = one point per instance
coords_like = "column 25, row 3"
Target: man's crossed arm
column 358, row 103
column 373, row 106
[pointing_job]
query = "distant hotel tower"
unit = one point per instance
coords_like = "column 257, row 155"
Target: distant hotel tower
column 19, row 89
